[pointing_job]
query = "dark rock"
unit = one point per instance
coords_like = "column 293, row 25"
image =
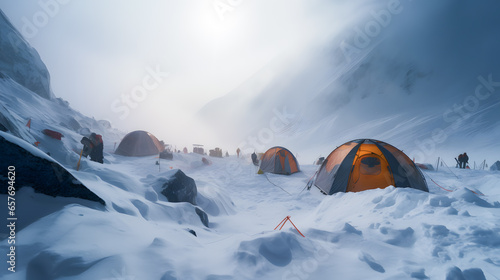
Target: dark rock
column 180, row 188
column 192, row 232
column 41, row 174
column 203, row 216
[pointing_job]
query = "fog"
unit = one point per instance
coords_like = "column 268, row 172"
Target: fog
column 217, row 72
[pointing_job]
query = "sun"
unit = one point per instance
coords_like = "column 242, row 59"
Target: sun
column 216, row 32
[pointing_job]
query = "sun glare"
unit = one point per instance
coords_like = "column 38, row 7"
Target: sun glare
column 216, row 32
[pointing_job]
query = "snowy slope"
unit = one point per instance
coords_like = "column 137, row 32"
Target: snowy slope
column 377, row 234
column 416, row 70
column 452, row 232
column 21, row 62
column 25, row 95
column 18, row 105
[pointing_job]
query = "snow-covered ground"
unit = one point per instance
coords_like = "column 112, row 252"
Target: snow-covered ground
column 377, row 234
column 452, row 232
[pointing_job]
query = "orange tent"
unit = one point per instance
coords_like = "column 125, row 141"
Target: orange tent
column 368, row 164
column 279, row 160
column 138, row 144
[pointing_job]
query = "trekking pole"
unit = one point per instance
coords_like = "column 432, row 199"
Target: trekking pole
column 78, row 165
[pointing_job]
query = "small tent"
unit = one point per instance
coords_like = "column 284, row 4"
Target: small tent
column 138, row 144
column 495, row 166
column 368, row 164
column 279, row 160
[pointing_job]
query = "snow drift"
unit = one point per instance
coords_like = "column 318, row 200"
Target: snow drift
column 451, row 232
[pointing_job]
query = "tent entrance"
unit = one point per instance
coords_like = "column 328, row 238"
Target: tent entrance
column 370, row 172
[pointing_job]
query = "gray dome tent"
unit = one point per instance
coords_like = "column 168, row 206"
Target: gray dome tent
column 279, row 160
column 138, row 144
column 495, row 166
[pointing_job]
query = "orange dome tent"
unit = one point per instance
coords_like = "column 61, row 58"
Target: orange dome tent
column 364, row 164
column 138, row 144
column 279, row 160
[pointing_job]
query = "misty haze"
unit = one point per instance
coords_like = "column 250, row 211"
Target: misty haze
column 168, row 139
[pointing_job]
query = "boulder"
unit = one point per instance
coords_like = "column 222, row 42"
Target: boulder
column 35, row 169
column 180, row 188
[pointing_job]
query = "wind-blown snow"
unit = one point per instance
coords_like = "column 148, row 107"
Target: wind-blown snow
column 451, row 232
column 414, row 74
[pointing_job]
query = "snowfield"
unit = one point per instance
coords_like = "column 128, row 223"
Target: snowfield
column 377, row 234
column 451, row 232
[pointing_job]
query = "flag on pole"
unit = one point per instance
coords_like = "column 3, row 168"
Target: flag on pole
column 29, row 123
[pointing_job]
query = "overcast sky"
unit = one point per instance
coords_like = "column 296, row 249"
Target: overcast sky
column 153, row 64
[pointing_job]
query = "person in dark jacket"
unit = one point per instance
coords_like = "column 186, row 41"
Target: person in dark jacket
column 254, row 159
column 460, row 160
column 465, row 160
column 93, row 147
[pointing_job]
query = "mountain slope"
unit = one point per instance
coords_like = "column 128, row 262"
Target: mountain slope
column 450, row 232
column 25, row 95
column 398, row 76
column 21, row 62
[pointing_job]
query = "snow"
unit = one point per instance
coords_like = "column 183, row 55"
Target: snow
column 22, row 63
column 451, row 232
column 384, row 233
column 410, row 85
